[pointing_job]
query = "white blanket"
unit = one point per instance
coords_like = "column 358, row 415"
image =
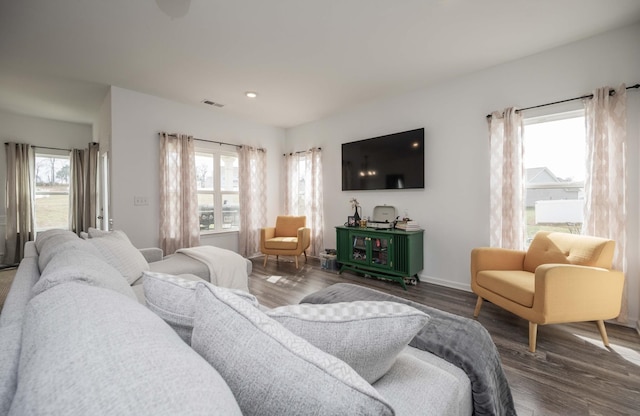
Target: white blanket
column 226, row 268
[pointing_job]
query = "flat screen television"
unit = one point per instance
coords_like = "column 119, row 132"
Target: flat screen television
column 394, row 161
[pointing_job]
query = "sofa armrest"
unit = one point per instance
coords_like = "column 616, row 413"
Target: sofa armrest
column 567, row 292
column 152, row 254
column 494, row 258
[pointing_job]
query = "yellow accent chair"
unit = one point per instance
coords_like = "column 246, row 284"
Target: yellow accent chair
column 561, row 278
column 290, row 237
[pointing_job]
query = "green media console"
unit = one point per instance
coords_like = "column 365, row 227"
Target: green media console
column 386, row 254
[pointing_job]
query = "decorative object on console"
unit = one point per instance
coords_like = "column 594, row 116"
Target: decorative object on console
column 355, row 205
column 383, row 216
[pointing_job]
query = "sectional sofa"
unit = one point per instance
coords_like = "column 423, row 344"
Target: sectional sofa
column 76, row 339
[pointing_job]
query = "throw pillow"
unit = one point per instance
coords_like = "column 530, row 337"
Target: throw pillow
column 75, row 265
column 95, row 232
column 173, row 298
column 367, row 335
column 118, row 251
column 270, row 370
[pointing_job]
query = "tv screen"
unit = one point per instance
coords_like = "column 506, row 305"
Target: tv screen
column 394, row 161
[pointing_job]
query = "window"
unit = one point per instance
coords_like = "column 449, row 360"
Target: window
column 217, row 182
column 52, row 175
column 554, row 162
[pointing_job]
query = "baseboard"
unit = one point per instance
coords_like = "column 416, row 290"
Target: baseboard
column 446, row 283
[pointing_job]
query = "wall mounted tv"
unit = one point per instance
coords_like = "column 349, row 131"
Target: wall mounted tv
column 394, row 161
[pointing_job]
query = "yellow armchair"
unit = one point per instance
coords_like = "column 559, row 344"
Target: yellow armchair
column 560, row 278
column 290, row 237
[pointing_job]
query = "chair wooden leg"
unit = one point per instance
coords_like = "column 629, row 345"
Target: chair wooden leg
column 533, row 335
column 305, row 256
column 476, row 312
column 603, row 333
column 296, row 257
column 266, row 256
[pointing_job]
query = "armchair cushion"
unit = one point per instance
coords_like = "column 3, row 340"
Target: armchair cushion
column 282, row 243
column 563, row 248
column 515, row 285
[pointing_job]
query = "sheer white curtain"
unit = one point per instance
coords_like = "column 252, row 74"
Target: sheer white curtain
column 179, row 225
column 304, row 192
column 20, row 207
column 605, row 183
column 83, row 188
column 252, row 163
column 507, row 180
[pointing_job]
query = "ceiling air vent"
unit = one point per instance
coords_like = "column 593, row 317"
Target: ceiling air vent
column 209, row 102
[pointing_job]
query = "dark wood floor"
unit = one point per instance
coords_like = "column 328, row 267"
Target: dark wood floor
column 571, row 373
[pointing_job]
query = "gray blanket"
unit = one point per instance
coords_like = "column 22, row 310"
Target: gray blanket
column 461, row 341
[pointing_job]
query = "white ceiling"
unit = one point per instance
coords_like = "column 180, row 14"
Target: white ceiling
column 306, row 58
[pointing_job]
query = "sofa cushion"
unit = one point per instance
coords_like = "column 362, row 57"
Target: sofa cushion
column 118, row 251
column 81, row 266
column 515, row 285
column 563, row 248
column 59, row 243
column 89, row 351
column 173, row 298
column 367, row 335
column 415, row 386
column 59, row 235
column 270, row 370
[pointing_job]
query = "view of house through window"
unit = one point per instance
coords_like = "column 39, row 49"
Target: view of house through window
column 555, row 166
column 217, row 182
column 52, row 174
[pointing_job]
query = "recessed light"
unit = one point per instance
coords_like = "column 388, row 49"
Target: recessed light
column 251, row 94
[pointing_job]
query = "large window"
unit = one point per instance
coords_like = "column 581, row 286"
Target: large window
column 218, row 200
column 554, row 162
column 52, row 174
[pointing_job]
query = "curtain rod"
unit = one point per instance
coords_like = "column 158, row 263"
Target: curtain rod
column 589, row 96
column 301, row 151
column 45, row 147
column 239, row 146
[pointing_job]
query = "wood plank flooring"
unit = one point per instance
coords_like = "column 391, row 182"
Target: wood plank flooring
column 571, row 373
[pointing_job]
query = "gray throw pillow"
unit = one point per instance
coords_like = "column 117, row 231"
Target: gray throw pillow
column 75, row 265
column 118, row 251
column 272, row 371
column 173, row 298
column 86, row 352
column 367, row 335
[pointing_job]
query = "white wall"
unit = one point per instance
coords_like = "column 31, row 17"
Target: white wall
column 454, row 206
column 136, row 120
column 38, row 132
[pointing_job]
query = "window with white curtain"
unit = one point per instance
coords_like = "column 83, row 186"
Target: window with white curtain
column 217, row 180
column 555, row 168
column 52, row 178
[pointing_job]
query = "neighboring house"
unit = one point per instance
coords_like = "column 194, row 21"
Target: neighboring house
column 544, row 185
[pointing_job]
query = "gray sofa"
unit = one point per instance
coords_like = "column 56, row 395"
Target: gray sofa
column 76, row 339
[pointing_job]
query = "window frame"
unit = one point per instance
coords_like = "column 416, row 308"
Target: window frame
column 217, row 151
column 58, row 154
column 546, row 118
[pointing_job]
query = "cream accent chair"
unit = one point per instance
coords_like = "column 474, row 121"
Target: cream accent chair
column 290, row 237
column 561, row 278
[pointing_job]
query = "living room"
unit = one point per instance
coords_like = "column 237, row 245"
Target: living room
column 453, row 208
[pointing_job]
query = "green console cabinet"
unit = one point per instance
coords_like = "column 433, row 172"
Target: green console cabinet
column 386, row 254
